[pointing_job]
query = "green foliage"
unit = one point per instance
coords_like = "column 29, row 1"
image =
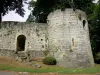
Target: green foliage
column 46, row 52
column 43, row 7
column 94, row 25
column 31, row 18
column 49, row 61
column 97, row 58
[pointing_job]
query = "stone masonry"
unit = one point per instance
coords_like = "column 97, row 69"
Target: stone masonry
column 65, row 36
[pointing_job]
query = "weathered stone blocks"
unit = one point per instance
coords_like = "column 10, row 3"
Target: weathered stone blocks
column 69, row 36
column 65, row 36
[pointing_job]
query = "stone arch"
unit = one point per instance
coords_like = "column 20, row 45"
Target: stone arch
column 21, row 43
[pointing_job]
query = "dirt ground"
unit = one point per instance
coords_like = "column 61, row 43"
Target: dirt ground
column 10, row 61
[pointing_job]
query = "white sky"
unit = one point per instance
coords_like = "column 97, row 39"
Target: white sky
column 95, row 1
column 12, row 16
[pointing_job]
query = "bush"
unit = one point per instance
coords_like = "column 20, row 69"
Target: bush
column 46, row 52
column 97, row 58
column 49, row 61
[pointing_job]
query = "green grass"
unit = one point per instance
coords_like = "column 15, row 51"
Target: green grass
column 55, row 69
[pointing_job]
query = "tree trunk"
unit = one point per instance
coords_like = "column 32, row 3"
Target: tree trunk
column 0, row 16
column 0, row 19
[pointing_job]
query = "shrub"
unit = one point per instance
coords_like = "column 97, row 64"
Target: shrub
column 49, row 61
column 46, row 52
column 97, row 58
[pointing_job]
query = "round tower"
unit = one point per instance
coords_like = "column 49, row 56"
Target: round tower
column 68, row 38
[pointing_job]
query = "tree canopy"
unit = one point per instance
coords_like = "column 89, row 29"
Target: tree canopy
column 94, row 25
column 43, row 7
column 7, row 5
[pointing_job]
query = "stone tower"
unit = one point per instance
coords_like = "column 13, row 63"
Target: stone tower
column 68, row 36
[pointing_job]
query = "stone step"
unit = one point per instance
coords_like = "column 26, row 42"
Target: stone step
column 21, row 55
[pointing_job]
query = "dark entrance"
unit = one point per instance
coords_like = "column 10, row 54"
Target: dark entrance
column 21, row 43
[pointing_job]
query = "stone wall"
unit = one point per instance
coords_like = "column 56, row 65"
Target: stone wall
column 65, row 35
column 36, row 35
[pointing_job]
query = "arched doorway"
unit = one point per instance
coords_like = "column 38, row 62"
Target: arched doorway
column 21, row 43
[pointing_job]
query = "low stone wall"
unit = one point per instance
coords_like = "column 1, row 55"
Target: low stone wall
column 6, row 52
column 29, row 55
column 35, row 54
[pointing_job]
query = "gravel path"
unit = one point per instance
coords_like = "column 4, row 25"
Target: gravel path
column 13, row 73
column 25, row 73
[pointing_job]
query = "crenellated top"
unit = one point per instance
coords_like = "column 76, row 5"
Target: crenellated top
column 20, row 24
column 59, row 17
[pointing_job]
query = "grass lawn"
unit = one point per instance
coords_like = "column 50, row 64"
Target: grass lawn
column 13, row 65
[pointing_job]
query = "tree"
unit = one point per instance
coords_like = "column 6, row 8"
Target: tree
column 94, row 24
column 7, row 5
column 43, row 7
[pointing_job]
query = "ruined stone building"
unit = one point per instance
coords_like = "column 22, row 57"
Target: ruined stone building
column 65, row 36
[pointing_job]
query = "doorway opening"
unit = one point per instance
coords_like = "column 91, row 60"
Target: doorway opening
column 21, row 43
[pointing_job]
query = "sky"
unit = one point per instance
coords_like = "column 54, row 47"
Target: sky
column 12, row 16
column 95, row 1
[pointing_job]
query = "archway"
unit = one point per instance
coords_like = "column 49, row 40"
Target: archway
column 21, row 43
